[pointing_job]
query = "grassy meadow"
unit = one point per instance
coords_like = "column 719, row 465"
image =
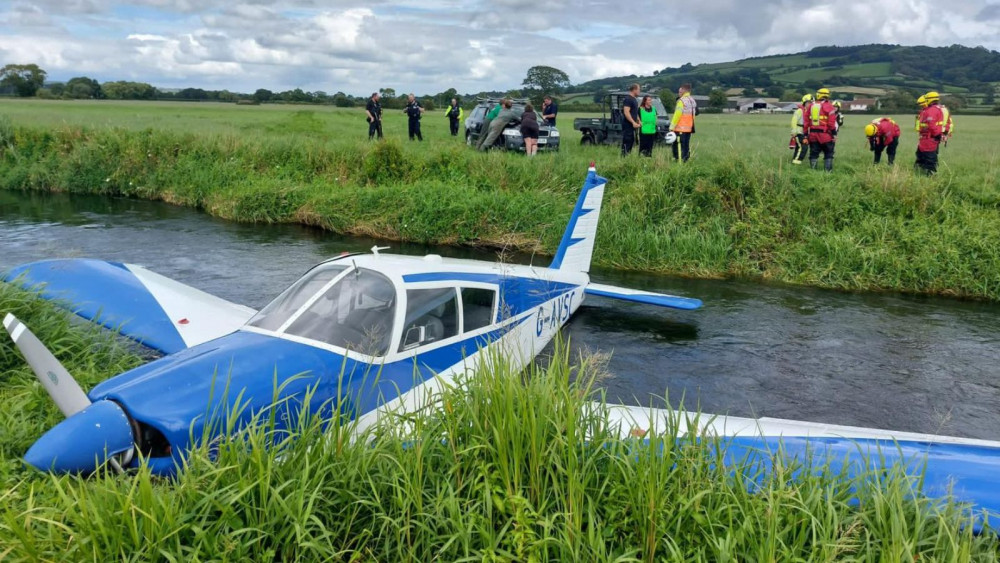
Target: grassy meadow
column 738, row 209
column 516, row 467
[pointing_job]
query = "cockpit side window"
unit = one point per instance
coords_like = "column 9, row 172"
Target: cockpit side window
column 431, row 316
column 277, row 312
column 477, row 307
column 356, row 313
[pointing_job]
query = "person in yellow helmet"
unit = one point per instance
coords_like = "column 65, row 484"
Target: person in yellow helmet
column 821, row 125
column 840, row 114
column 883, row 136
column 799, row 143
column 922, row 102
column 946, row 122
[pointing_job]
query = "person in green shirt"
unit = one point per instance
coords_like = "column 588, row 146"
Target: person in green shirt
column 490, row 116
column 647, row 129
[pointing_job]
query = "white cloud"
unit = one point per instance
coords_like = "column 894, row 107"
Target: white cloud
column 431, row 45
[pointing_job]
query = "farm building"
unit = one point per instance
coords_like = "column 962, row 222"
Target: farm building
column 860, row 104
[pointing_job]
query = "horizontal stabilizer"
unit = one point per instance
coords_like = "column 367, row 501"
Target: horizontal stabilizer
column 151, row 309
column 647, row 297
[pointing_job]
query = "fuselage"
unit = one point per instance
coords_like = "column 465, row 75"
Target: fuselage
column 357, row 335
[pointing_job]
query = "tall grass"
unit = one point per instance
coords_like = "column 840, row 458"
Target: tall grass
column 738, row 209
column 511, row 467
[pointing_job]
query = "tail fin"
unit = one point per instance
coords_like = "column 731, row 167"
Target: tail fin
column 577, row 246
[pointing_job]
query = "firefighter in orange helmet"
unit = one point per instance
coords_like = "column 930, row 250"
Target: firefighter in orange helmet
column 820, row 119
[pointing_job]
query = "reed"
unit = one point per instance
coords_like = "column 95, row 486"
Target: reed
column 513, row 466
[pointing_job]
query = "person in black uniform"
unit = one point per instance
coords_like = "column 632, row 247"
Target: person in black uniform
column 454, row 115
column 630, row 119
column 374, row 112
column 414, row 111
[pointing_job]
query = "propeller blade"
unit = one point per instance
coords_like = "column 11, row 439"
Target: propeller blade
column 61, row 386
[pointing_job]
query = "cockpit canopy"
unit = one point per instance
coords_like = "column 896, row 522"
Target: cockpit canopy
column 355, row 309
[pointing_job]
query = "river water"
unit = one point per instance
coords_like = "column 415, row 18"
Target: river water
column 881, row 360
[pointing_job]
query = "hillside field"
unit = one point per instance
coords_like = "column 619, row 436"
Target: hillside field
column 739, row 209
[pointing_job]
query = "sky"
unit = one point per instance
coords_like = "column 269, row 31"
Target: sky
column 429, row 46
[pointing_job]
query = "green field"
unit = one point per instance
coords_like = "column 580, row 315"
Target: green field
column 739, row 209
column 511, row 469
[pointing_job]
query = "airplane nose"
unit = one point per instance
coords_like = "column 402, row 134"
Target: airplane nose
column 83, row 441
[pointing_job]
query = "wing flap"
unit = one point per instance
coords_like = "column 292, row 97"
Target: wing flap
column 646, row 297
column 151, row 309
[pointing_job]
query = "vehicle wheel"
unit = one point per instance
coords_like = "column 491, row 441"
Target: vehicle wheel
column 468, row 138
column 587, row 140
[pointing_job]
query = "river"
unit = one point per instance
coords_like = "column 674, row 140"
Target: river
column 909, row 363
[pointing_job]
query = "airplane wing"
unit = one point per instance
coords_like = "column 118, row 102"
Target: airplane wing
column 151, row 309
column 647, row 297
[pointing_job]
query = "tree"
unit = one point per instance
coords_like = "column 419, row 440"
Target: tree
column 123, row 90
column 263, row 95
column 668, row 98
column 990, row 96
column 775, row 90
column 546, row 79
column 717, row 99
column 24, row 79
column 82, row 88
column 750, row 92
column 388, row 92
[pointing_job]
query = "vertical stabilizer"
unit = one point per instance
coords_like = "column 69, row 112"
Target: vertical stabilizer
column 577, row 246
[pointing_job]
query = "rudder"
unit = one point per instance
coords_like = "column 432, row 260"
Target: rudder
column 577, row 247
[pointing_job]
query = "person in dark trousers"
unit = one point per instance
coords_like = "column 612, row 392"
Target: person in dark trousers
column 630, row 119
column 529, row 130
column 647, row 130
column 550, row 110
column 682, row 123
column 373, row 111
column 414, row 111
column 821, row 123
column 454, row 114
column 930, row 125
column 883, row 136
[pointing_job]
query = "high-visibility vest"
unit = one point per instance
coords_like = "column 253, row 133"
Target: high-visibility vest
column 684, row 114
column 817, row 119
column 797, row 121
column 945, row 124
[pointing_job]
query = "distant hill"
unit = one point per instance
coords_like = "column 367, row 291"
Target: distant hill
column 971, row 71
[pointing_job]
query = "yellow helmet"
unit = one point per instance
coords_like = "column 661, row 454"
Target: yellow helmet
column 922, row 101
column 807, row 98
column 837, row 104
column 870, row 130
column 823, row 94
column 932, row 97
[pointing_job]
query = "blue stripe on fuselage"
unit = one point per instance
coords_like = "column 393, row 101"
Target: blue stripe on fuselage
column 517, row 294
column 176, row 393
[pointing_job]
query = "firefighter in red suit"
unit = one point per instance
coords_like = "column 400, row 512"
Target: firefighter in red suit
column 820, row 119
column 883, row 136
column 930, row 126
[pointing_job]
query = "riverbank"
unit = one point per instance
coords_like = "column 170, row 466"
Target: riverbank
column 738, row 210
column 536, row 476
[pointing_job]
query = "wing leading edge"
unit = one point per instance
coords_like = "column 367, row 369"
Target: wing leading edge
column 151, row 309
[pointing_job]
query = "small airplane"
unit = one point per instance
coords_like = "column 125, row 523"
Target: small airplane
column 368, row 334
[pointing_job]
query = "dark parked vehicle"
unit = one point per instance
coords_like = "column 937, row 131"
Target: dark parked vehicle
column 548, row 136
column 607, row 129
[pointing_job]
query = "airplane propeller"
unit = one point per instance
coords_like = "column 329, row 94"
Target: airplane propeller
column 75, row 445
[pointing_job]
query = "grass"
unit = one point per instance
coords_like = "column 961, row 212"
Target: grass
column 514, row 467
column 739, row 209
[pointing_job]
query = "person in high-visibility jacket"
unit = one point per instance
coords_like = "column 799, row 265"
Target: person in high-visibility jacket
column 682, row 122
column 820, row 119
column 454, row 114
column 799, row 142
column 916, row 120
column 947, row 127
column 840, row 114
column 929, row 125
column 883, row 135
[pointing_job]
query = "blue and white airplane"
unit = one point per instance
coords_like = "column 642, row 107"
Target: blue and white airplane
column 378, row 333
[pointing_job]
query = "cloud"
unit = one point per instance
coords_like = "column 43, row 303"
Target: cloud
column 431, row 45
